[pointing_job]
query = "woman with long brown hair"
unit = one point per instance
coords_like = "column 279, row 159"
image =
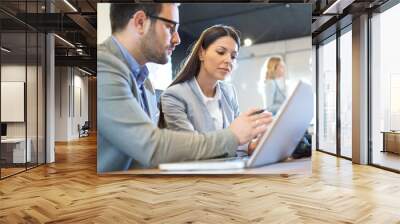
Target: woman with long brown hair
column 198, row 99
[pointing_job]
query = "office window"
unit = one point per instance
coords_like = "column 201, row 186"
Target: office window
column 385, row 84
column 327, row 96
column 13, row 86
column 346, row 93
column 23, row 89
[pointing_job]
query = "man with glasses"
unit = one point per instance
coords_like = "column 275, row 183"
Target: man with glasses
column 128, row 136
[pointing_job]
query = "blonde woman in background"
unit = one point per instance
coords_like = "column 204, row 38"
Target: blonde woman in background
column 275, row 94
column 274, row 84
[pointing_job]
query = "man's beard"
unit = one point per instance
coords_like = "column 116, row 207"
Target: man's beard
column 151, row 48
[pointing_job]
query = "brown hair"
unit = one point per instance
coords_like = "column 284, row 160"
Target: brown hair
column 191, row 66
column 121, row 13
column 272, row 65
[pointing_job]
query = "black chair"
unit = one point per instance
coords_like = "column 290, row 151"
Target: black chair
column 84, row 130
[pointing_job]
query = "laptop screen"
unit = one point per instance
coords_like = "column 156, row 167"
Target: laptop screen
column 290, row 123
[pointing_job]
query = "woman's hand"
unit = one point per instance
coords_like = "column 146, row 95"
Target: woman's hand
column 250, row 124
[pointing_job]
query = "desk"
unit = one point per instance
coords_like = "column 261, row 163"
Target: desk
column 297, row 166
column 391, row 141
column 13, row 150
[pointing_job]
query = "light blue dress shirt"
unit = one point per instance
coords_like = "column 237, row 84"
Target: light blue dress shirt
column 140, row 74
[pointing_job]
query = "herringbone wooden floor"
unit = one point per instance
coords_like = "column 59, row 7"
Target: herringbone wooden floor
column 70, row 191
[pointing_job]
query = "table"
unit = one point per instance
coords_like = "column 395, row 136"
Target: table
column 13, row 150
column 297, row 166
column 391, row 141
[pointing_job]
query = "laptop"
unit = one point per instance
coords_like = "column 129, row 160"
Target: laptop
column 277, row 143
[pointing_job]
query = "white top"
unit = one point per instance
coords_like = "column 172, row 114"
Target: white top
column 213, row 106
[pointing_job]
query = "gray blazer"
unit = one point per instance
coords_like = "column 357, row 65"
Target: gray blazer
column 184, row 109
column 127, row 137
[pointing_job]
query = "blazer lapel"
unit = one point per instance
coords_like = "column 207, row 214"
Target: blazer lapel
column 226, row 108
column 150, row 95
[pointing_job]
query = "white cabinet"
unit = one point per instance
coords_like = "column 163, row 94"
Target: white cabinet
column 17, row 146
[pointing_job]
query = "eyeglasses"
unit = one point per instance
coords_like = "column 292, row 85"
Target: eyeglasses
column 173, row 28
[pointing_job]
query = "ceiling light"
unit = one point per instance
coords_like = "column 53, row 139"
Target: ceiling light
column 338, row 6
column 64, row 40
column 84, row 71
column 70, row 5
column 5, row 50
column 248, row 42
column 79, row 51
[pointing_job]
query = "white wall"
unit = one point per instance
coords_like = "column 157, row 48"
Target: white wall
column 160, row 75
column 14, row 73
column 81, row 104
column 33, row 126
column 246, row 77
column 12, row 101
column 103, row 18
column 71, row 94
column 17, row 73
column 61, row 103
